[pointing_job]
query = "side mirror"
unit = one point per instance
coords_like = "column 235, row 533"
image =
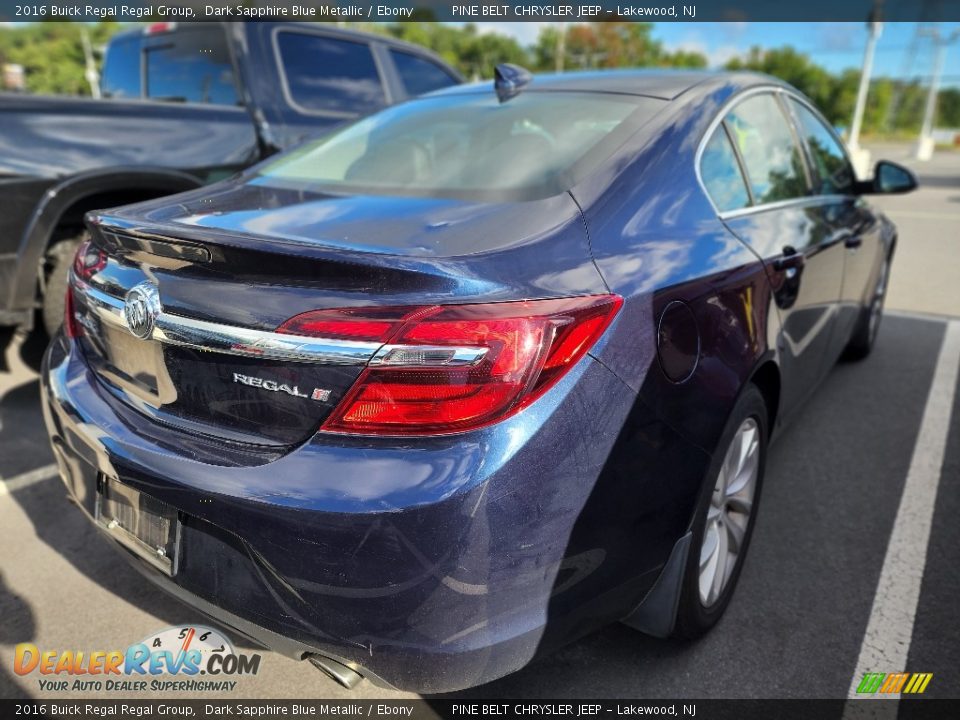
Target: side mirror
column 890, row 178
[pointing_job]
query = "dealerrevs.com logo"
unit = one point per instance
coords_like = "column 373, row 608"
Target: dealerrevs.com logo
column 187, row 658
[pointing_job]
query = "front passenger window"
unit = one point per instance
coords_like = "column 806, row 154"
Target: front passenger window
column 772, row 158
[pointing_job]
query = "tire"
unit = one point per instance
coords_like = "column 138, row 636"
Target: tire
column 719, row 518
column 868, row 324
column 58, row 261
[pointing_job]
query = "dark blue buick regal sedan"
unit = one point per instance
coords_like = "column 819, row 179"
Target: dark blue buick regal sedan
column 473, row 376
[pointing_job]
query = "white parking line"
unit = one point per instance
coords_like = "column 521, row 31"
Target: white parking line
column 18, row 482
column 923, row 215
column 886, row 642
column 918, row 315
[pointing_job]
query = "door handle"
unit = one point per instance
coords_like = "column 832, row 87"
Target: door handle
column 791, row 259
column 853, row 241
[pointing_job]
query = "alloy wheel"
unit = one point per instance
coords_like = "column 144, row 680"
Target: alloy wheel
column 729, row 512
column 876, row 307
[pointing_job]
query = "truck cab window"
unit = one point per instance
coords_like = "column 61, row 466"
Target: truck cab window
column 419, row 75
column 327, row 75
column 192, row 67
column 121, row 69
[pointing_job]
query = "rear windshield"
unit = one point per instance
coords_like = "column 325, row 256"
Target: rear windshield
column 468, row 146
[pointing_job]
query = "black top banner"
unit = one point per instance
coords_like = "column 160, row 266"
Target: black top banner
column 484, row 709
column 473, row 11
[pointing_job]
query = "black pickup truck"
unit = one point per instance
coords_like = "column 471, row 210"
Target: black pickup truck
column 183, row 105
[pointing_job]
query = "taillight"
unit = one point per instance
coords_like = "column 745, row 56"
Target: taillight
column 89, row 260
column 451, row 368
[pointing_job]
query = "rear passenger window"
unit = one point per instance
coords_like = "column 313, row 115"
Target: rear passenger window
column 721, row 174
column 328, row 75
column 193, row 66
column 771, row 157
column 121, row 69
column 419, row 75
column 833, row 169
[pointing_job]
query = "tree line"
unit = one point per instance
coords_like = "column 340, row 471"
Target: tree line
column 52, row 56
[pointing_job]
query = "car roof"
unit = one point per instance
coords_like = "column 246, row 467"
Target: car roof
column 655, row 82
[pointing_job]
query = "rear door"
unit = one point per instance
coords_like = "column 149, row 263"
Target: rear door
column 789, row 229
column 849, row 215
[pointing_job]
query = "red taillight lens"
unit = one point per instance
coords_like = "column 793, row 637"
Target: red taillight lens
column 366, row 324
column 452, row 368
column 89, row 260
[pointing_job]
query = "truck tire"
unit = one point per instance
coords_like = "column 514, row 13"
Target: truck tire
column 58, row 261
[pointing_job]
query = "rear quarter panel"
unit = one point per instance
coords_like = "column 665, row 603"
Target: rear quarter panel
column 656, row 239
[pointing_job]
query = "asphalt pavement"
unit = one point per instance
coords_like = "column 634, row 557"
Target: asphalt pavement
column 808, row 595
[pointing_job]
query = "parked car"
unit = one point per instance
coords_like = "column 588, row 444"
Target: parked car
column 474, row 376
column 186, row 104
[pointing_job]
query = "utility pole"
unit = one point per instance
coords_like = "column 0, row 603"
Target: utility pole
column 906, row 67
column 561, row 48
column 91, row 74
column 926, row 142
column 861, row 157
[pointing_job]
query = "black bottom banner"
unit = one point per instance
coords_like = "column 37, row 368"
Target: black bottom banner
column 881, row 709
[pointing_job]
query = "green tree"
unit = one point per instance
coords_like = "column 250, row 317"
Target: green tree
column 798, row 70
column 473, row 53
column 608, row 45
column 892, row 105
column 52, row 54
column 948, row 108
column 686, row 59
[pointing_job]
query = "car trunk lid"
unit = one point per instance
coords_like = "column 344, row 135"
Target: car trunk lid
column 217, row 281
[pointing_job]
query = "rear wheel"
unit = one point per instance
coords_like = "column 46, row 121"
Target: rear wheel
column 57, row 271
column 723, row 523
column 868, row 325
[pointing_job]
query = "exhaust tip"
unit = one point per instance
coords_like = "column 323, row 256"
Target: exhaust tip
column 338, row 672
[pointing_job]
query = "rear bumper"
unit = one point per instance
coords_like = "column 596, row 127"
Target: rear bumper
column 431, row 568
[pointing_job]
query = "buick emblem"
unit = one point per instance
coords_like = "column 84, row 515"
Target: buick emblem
column 141, row 308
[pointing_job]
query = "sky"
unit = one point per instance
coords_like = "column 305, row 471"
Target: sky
column 836, row 46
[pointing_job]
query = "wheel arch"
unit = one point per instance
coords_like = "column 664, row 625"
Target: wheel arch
column 70, row 199
column 766, row 376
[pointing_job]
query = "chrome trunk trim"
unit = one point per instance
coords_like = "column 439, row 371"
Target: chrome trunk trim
column 178, row 330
